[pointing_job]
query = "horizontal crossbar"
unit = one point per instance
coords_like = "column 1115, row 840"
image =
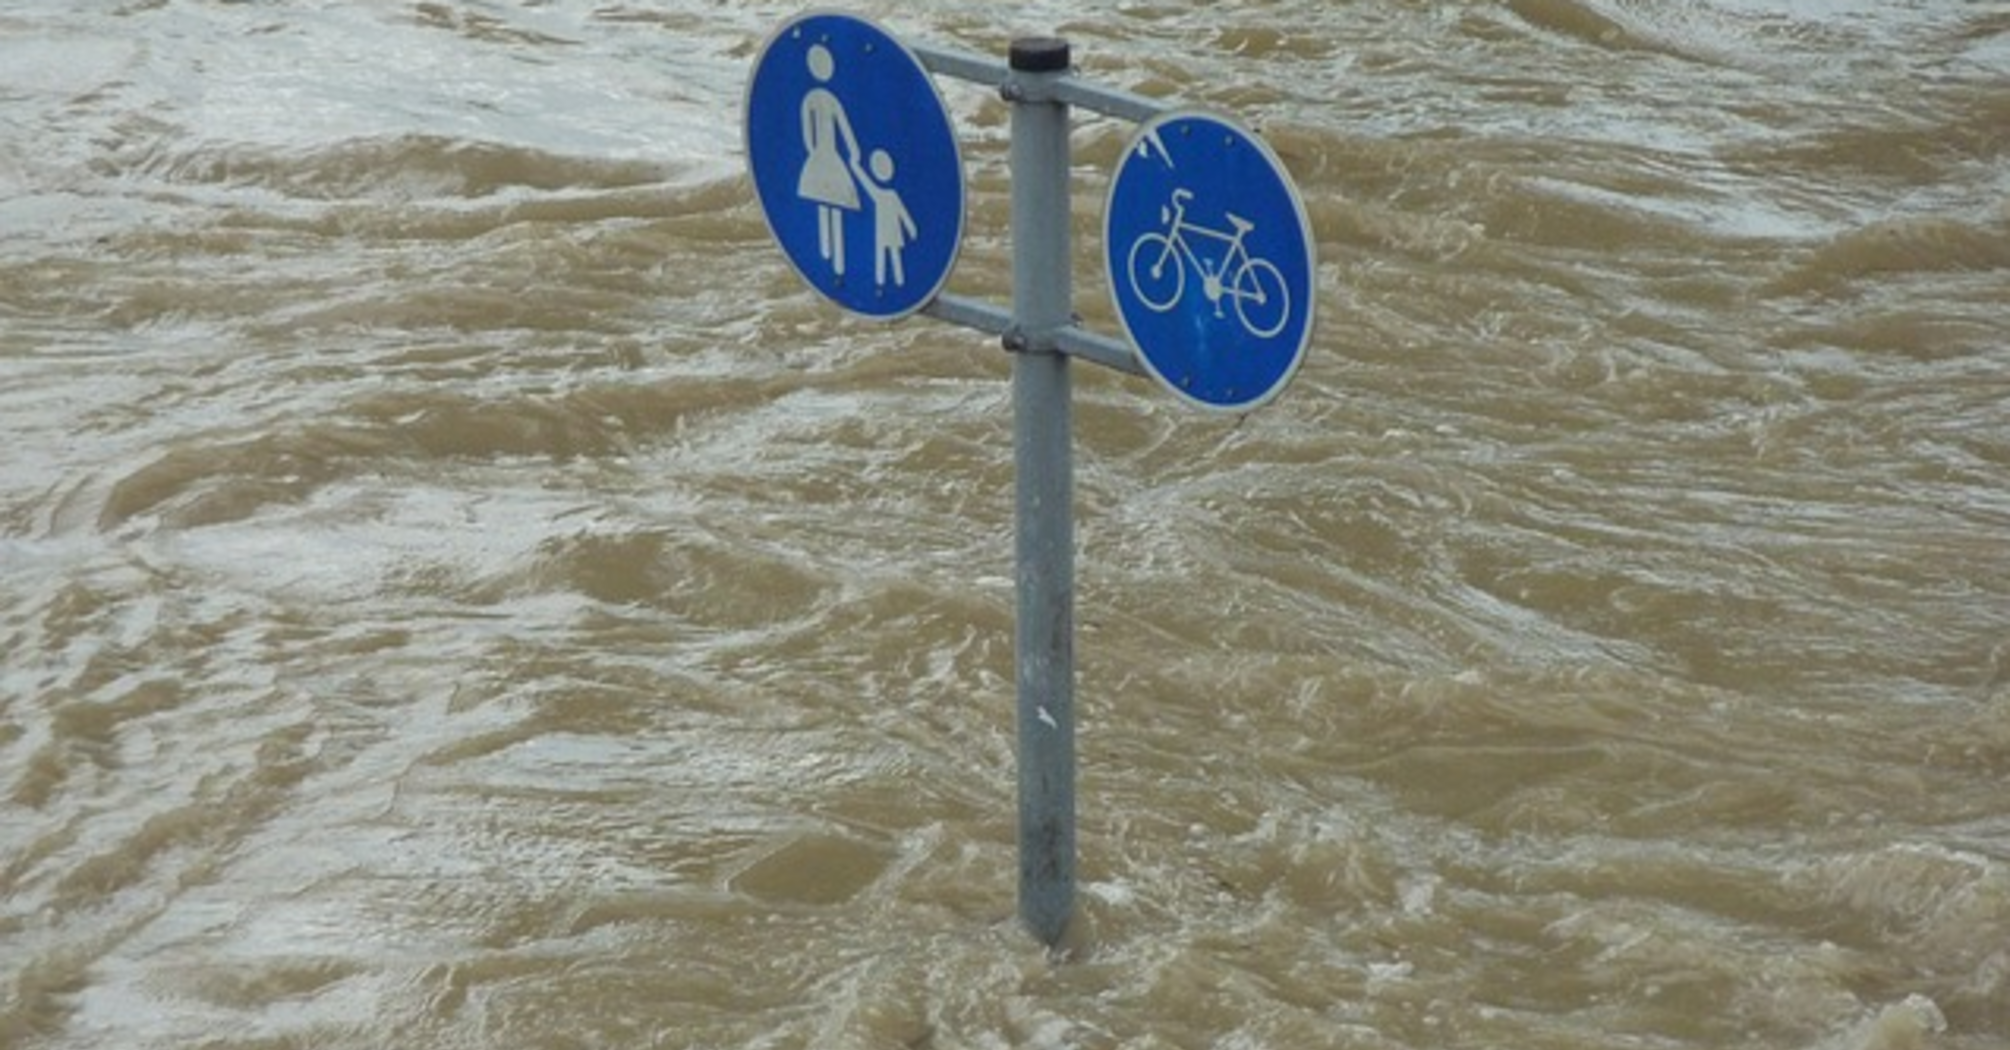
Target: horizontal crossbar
column 1073, row 340
column 1072, row 90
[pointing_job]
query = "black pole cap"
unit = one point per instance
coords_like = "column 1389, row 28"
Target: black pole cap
column 1040, row 54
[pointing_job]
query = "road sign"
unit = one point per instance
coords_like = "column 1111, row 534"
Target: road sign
column 855, row 164
column 1210, row 260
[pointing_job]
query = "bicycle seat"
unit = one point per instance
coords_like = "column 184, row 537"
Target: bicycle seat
column 1241, row 224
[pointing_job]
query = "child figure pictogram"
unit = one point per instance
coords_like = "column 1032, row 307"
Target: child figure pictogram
column 892, row 225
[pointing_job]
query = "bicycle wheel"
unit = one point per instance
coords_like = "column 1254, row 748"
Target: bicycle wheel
column 1157, row 275
column 1261, row 299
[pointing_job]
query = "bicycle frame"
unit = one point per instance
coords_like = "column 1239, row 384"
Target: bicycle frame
column 1211, row 277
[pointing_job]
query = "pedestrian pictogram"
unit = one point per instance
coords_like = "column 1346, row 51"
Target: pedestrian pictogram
column 855, row 164
column 1209, row 257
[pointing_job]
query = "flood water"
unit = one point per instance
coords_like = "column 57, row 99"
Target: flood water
column 460, row 589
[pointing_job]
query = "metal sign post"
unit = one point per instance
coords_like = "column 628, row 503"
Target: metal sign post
column 1042, row 302
column 827, row 185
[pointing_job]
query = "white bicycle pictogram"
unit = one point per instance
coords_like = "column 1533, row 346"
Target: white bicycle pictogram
column 1159, row 260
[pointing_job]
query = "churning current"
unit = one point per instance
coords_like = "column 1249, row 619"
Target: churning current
column 460, row 588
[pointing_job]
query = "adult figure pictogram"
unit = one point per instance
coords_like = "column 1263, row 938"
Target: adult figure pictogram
column 827, row 173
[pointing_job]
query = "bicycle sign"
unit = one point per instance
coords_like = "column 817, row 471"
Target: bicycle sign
column 1160, row 261
column 1210, row 261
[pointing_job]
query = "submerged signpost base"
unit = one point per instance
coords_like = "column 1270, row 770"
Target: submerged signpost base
column 842, row 157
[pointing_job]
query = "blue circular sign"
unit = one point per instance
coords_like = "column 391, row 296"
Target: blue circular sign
column 855, row 164
column 1210, row 261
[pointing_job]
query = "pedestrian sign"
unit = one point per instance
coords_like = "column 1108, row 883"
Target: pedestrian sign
column 855, row 164
column 1210, row 261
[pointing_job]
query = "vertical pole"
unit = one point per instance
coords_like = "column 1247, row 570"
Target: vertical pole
column 1042, row 299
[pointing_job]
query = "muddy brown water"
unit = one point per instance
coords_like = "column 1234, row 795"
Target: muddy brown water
column 458, row 588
